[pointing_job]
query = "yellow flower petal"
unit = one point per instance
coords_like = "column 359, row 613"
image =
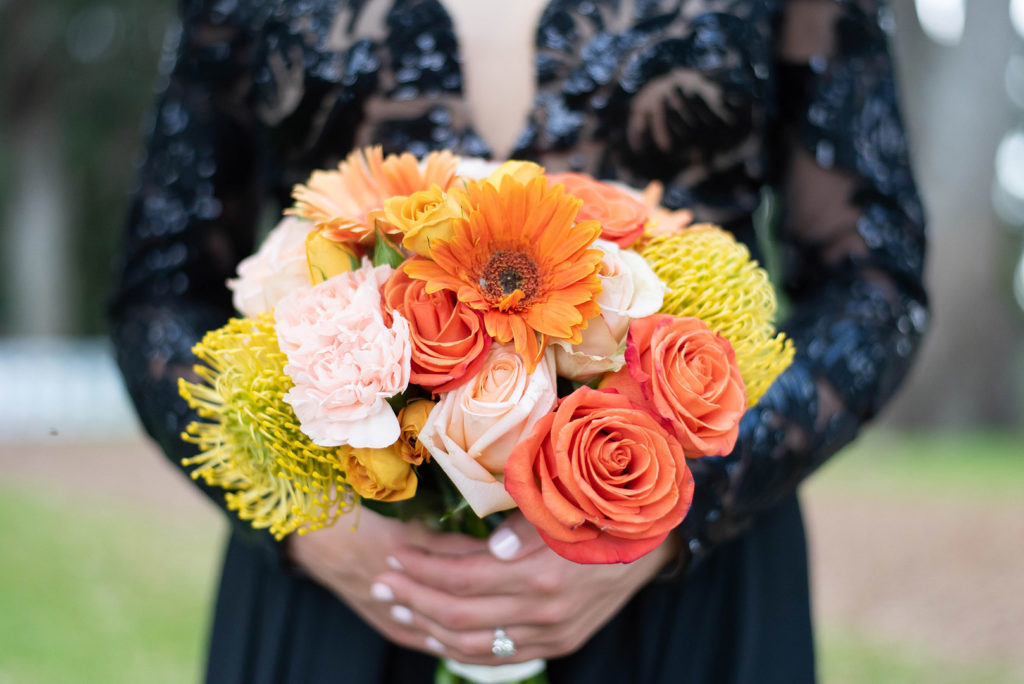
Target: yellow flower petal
column 424, row 217
column 327, row 258
column 522, row 171
column 249, row 438
column 379, row 474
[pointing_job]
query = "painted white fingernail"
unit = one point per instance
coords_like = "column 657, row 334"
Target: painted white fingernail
column 382, row 592
column 504, row 543
column 394, row 563
column 401, row 614
column 435, row 645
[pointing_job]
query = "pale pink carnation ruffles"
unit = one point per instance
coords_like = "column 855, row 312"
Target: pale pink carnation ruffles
column 344, row 360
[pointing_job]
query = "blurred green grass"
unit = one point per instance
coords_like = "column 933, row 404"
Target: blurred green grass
column 969, row 466
column 848, row 656
column 97, row 590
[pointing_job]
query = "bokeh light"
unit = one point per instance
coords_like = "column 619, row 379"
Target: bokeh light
column 1008, row 194
column 1017, row 16
column 942, row 20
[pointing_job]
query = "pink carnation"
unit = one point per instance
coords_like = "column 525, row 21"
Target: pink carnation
column 344, row 360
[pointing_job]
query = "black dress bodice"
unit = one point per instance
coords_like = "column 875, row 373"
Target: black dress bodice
column 726, row 102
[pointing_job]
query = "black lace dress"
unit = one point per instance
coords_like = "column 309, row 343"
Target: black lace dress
column 718, row 99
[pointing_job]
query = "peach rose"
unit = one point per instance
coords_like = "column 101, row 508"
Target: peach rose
column 686, row 374
column 663, row 222
column 378, row 474
column 449, row 342
column 423, row 217
column 629, row 289
column 344, row 359
column 277, row 268
column 622, row 217
column 600, row 478
column 473, row 429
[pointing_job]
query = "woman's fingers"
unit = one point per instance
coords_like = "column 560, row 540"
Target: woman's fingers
column 422, row 538
column 446, row 594
column 465, row 632
column 515, row 538
column 483, row 575
column 457, row 613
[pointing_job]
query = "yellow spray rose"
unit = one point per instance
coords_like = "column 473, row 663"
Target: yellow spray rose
column 412, row 418
column 378, row 474
column 327, row 258
column 423, row 217
column 522, row 171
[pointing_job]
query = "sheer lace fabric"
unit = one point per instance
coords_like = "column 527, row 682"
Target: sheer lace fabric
column 717, row 99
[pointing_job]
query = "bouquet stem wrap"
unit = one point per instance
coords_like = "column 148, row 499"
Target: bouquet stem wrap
column 453, row 672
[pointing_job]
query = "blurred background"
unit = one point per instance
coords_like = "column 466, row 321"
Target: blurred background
column 109, row 557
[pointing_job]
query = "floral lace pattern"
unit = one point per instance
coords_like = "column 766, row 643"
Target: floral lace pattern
column 717, row 99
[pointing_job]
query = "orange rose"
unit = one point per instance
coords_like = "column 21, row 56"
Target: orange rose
column 686, row 374
column 622, row 217
column 600, row 478
column 449, row 342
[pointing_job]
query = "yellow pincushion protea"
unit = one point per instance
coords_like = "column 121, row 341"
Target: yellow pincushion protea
column 249, row 440
column 712, row 277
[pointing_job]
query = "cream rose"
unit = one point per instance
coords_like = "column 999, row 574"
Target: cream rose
column 345, row 361
column 473, row 429
column 277, row 268
column 629, row 289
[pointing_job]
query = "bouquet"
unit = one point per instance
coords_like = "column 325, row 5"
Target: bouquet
column 451, row 339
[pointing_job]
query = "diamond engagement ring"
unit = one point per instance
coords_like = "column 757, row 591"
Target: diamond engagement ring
column 502, row 646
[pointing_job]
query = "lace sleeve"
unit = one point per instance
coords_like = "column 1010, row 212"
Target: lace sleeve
column 191, row 219
column 853, row 248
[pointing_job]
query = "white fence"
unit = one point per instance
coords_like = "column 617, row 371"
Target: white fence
column 65, row 390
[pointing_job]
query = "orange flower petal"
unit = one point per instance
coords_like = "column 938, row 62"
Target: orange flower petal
column 516, row 254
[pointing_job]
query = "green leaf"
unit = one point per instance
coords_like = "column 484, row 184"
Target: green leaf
column 398, row 401
column 385, row 251
column 452, row 512
column 319, row 273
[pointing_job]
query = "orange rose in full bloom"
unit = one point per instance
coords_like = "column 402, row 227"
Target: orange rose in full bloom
column 600, row 478
column 686, row 374
column 622, row 217
column 449, row 342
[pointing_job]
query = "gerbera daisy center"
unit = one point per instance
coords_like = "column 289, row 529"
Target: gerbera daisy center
column 508, row 271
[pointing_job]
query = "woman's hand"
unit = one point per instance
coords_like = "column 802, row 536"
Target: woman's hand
column 361, row 546
column 547, row 605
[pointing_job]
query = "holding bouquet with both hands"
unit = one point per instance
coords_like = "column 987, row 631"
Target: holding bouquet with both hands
column 447, row 341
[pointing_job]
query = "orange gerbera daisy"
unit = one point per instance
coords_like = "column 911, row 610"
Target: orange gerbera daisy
column 348, row 202
column 519, row 257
